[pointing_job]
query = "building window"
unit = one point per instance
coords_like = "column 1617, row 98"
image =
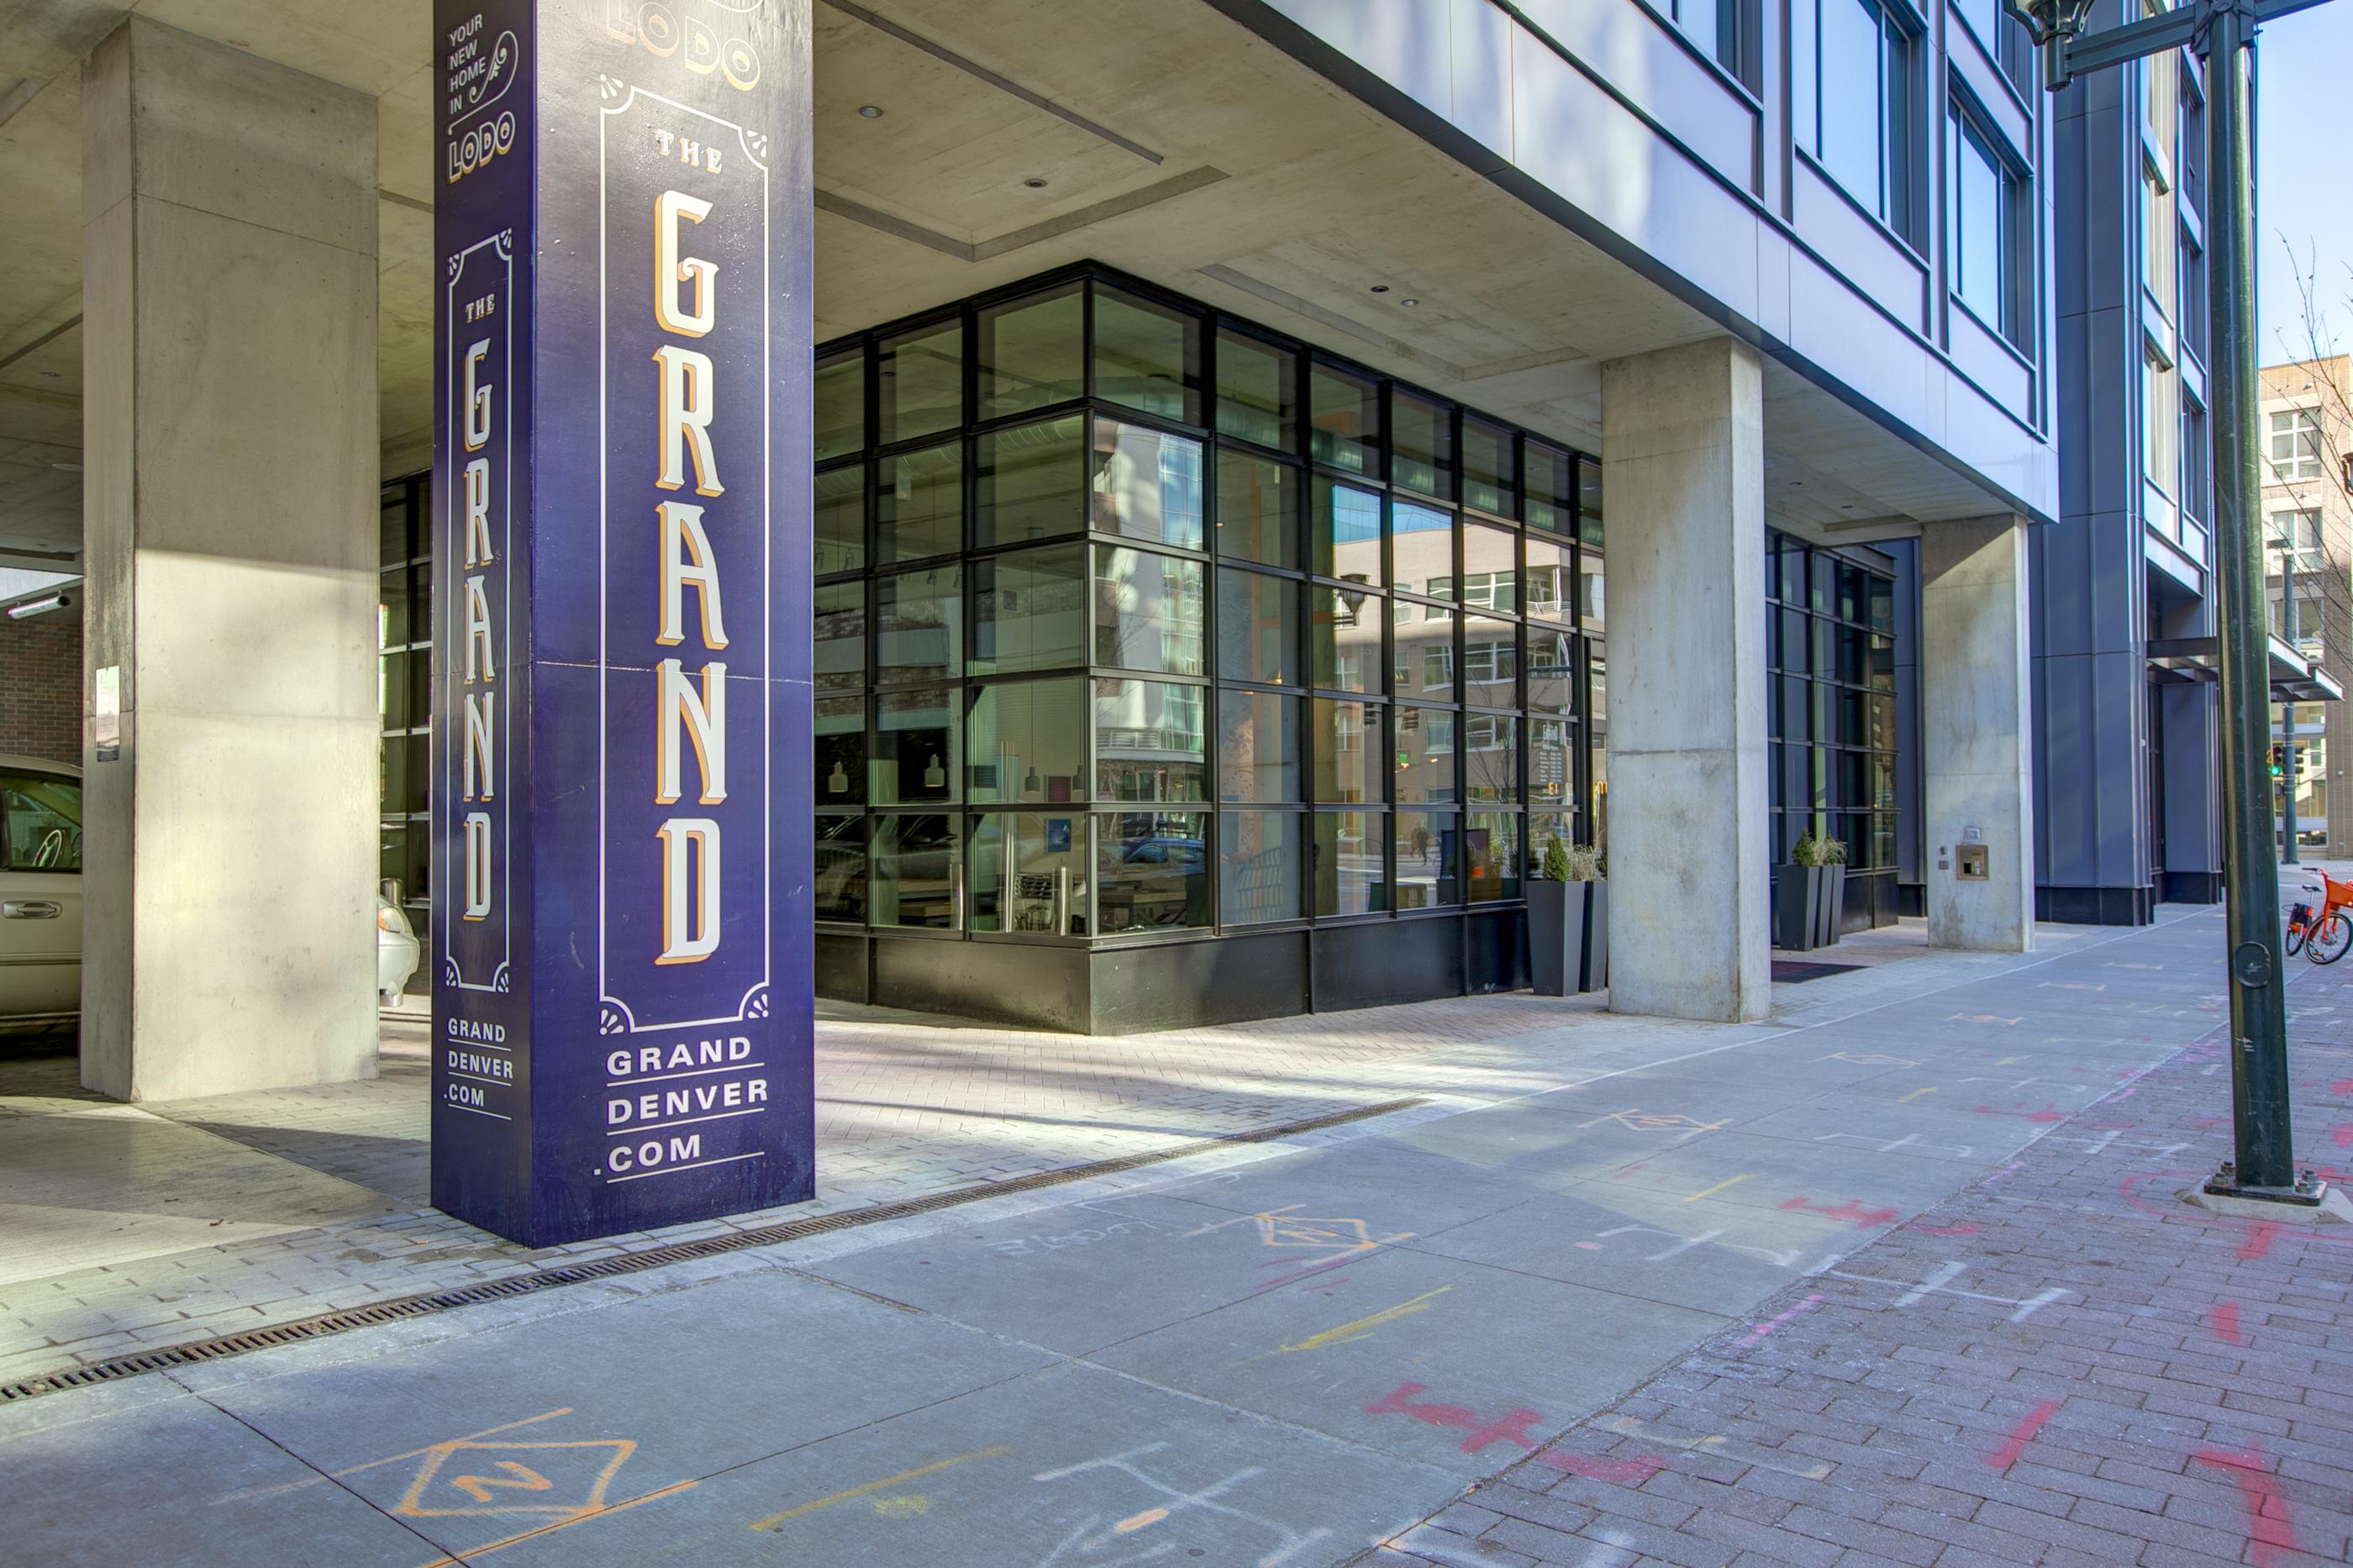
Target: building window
column 2160, row 422
column 2298, row 533
column 1857, row 101
column 2295, row 444
column 1985, row 229
column 1722, row 30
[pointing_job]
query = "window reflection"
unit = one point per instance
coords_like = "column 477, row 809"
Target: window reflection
column 1152, row 870
column 1350, row 871
column 1343, row 533
column 1148, row 611
column 1149, row 742
column 1147, row 485
column 916, row 874
column 1428, row 849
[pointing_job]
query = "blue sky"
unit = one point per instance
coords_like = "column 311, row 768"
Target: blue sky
column 2303, row 188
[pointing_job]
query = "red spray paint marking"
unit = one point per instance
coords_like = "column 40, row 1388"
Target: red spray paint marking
column 1511, row 1427
column 2022, row 1434
column 1761, row 1330
column 2224, row 1320
column 2269, row 1525
column 1636, row 1470
column 2342, row 1135
column 2048, row 1113
column 1850, row 1210
column 2342, row 1086
column 2259, row 1240
column 1948, row 1230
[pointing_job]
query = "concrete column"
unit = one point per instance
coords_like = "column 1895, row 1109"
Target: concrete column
column 1976, row 717
column 230, row 288
column 1682, row 456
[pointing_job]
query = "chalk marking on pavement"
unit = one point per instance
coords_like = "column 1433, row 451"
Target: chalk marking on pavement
column 1363, row 1327
column 395, row 1458
column 1914, row 1095
column 597, row 1513
column 775, row 1520
column 1719, row 1187
column 1720, row 1444
column 1936, row 1285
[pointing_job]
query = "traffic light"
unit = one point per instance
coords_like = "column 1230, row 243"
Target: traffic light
column 2279, row 760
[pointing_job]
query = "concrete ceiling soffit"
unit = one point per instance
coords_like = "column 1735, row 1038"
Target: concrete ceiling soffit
column 41, row 40
column 961, row 158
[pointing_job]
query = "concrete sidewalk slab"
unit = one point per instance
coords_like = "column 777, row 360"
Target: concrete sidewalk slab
column 1709, row 1255
column 1069, row 1466
column 177, row 1481
column 1328, row 1358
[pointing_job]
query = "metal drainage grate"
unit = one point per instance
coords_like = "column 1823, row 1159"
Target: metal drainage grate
column 651, row 1257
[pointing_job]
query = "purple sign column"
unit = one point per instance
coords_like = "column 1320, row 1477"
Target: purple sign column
column 620, row 781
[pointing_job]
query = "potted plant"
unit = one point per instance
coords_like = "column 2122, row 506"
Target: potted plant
column 1809, row 894
column 1569, row 920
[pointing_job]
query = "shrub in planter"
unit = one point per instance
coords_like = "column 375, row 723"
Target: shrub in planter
column 1809, row 894
column 1568, row 920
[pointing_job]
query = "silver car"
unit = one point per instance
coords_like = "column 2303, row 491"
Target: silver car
column 40, row 893
column 40, row 901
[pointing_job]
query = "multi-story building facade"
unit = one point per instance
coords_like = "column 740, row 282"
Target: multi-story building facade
column 1196, row 374
column 2308, row 510
column 2126, row 787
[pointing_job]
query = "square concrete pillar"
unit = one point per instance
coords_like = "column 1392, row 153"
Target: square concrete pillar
column 1975, row 713
column 1682, row 456
column 229, row 420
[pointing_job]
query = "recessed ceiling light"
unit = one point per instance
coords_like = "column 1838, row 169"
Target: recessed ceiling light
column 869, row 111
column 1035, row 183
column 1380, row 288
column 1409, row 301
column 50, row 374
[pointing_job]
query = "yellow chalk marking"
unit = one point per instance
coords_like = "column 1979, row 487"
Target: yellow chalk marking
column 1718, row 1187
column 775, row 1520
column 2007, row 1061
column 903, row 1507
column 1136, row 1522
column 1364, row 1326
column 1914, row 1095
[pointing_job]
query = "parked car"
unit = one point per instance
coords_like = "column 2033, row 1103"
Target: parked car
column 41, row 898
column 398, row 950
column 40, row 893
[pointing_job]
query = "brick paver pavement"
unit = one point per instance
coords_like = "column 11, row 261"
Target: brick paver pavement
column 2063, row 1364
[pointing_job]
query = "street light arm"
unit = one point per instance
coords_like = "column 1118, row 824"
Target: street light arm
column 2057, row 26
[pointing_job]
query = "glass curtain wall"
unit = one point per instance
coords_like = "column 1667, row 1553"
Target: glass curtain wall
column 404, row 634
column 1831, row 702
column 1137, row 621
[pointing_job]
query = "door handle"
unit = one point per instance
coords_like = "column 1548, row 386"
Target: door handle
column 31, row 910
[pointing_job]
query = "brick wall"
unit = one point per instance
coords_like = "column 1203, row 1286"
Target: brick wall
column 40, row 686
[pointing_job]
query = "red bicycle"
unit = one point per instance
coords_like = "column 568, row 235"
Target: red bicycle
column 2323, row 936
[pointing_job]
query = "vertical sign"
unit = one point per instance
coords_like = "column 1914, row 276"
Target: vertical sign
column 621, row 721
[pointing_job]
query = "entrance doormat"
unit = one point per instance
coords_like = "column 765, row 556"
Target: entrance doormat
column 1791, row 970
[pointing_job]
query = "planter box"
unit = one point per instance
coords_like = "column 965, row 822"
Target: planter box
column 1569, row 937
column 1808, row 903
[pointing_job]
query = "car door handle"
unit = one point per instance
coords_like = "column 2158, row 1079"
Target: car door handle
column 31, row 910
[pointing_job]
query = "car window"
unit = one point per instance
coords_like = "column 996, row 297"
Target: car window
column 43, row 814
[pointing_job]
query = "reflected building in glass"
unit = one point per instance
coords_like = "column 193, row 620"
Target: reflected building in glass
column 1170, row 670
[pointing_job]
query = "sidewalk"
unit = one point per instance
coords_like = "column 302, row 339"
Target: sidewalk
column 1283, row 1354
column 123, row 1228
column 2062, row 1365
